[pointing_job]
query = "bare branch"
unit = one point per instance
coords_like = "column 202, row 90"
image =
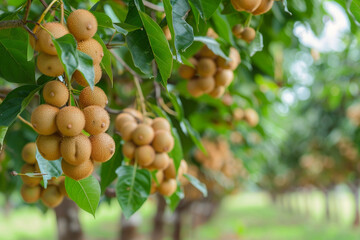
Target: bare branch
column 153, row 6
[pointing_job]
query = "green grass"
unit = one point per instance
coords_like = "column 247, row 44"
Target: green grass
column 247, row 216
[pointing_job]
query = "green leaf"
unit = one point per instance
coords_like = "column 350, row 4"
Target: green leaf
column 86, row 68
column 132, row 188
column 222, row 27
column 108, row 174
column 85, row 193
column 125, row 28
column 205, row 7
column 176, row 102
column 257, row 45
column 213, row 45
column 30, row 50
column 174, row 200
column 103, row 20
column 194, row 135
column 197, row 184
column 16, row 102
column 177, row 153
column 286, row 7
column 66, row 50
column 50, row 169
column 3, row 131
column 106, row 60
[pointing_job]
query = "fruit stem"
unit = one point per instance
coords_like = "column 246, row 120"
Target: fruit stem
column 248, row 20
column 43, row 15
column 26, row 122
column 62, row 12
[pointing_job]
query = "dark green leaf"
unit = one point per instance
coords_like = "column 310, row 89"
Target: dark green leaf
column 3, row 131
column 176, row 102
column 213, row 45
column 106, row 60
column 50, row 169
column 197, row 184
column 103, row 20
column 66, row 50
column 30, row 50
column 125, row 28
column 86, row 68
column 194, row 135
column 177, row 153
column 205, row 7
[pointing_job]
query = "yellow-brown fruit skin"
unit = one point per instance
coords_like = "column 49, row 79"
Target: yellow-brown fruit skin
column 264, row 7
column 237, row 30
column 127, row 130
column 70, row 121
column 128, row 150
column 205, row 52
column 206, row 67
column 90, row 97
column 97, row 120
column 163, row 141
column 44, row 38
column 34, row 43
column 143, row 134
column 168, row 187
column 224, row 77
column 82, row 24
column 194, row 88
column 218, row 92
column 103, row 147
column 30, row 194
column 92, row 48
column 248, row 34
column 75, row 150
column 28, row 153
column 206, row 84
column 51, row 196
column 144, row 155
column 43, row 119
column 235, row 60
column 245, row 5
column 63, row 189
column 56, row 93
column 188, row 72
column 79, row 78
column 30, row 181
column 122, row 119
column 161, row 161
column 251, row 117
column 49, row 65
column 133, row 112
column 77, row 173
column 49, row 146
column 160, row 123
column 170, row 171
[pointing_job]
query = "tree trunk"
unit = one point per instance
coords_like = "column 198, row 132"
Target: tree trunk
column 355, row 191
column 327, row 204
column 68, row 223
column 129, row 227
column 177, row 224
column 158, row 228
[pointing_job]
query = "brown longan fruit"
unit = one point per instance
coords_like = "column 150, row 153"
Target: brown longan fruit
column 238, row 114
column 62, row 188
column 148, row 121
column 30, row 181
column 128, row 149
column 217, row 92
column 206, row 84
column 49, row 146
column 90, row 97
column 77, row 173
column 49, row 65
column 224, row 77
column 56, row 93
column 103, row 147
column 264, row 7
column 168, row 187
column 51, row 196
column 205, row 52
column 206, row 67
column 245, row 5
column 251, row 117
column 80, row 79
column 248, row 34
column 122, row 119
column 170, row 171
column 144, row 155
column 92, row 48
column 75, row 150
column 160, row 176
column 82, row 24
column 160, row 123
column 30, row 194
column 44, row 38
column 188, row 72
column 183, row 168
column 97, row 119
column 127, row 130
column 43, row 119
column 133, row 112
column 194, row 88
column 163, row 141
column 70, row 121
column 233, row 63
column 161, row 161
column 28, row 153
column 143, row 134
column 237, row 30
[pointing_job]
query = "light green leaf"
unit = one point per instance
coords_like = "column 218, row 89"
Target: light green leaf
column 50, row 169
column 197, row 184
column 205, row 7
column 66, row 50
column 106, row 60
column 213, row 45
column 86, row 68
column 257, row 44
column 194, row 135
column 125, row 28
column 103, row 19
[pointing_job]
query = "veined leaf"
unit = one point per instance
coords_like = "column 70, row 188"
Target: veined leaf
column 50, row 169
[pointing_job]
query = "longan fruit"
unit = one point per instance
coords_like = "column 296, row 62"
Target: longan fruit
column 75, row 150
column 224, row 77
column 245, row 5
column 234, row 62
column 163, row 141
column 264, row 7
column 168, row 187
column 188, row 72
column 194, row 88
column 161, row 161
column 159, row 176
column 49, row 65
column 206, row 84
column 82, row 24
column 133, row 112
column 248, row 34
column 122, row 119
column 206, row 67
column 97, row 119
column 103, row 147
column 30, row 181
column 77, row 173
column 92, row 97
column 30, row 194
column 217, row 92
column 237, row 30
column 43, row 119
column 80, row 79
column 144, row 155
column 92, row 48
column 183, row 168
column 70, row 121
column 205, row 52
column 170, row 171
column 51, row 196
column 127, row 130
column 238, row 114
column 56, row 93
column 44, row 38
column 63, row 189
column 160, row 123
column 251, row 117
column 128, row 149
column 35, row 42
column 49, row 146
column 148, row 121
column 143, row 134
column 28, row 153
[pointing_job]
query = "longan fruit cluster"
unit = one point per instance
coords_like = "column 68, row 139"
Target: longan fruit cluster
column 248, row 34
column 82, row 24
column 61, row 130
column 255, row 7
column 31, row 191
column 148, row 142
column 248, row 115
column 211, row 74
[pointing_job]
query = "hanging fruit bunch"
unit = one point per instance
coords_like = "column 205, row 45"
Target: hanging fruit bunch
column 147, row 144
column 248, row 115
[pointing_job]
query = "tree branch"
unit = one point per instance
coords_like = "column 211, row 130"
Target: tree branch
column 153, row 6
